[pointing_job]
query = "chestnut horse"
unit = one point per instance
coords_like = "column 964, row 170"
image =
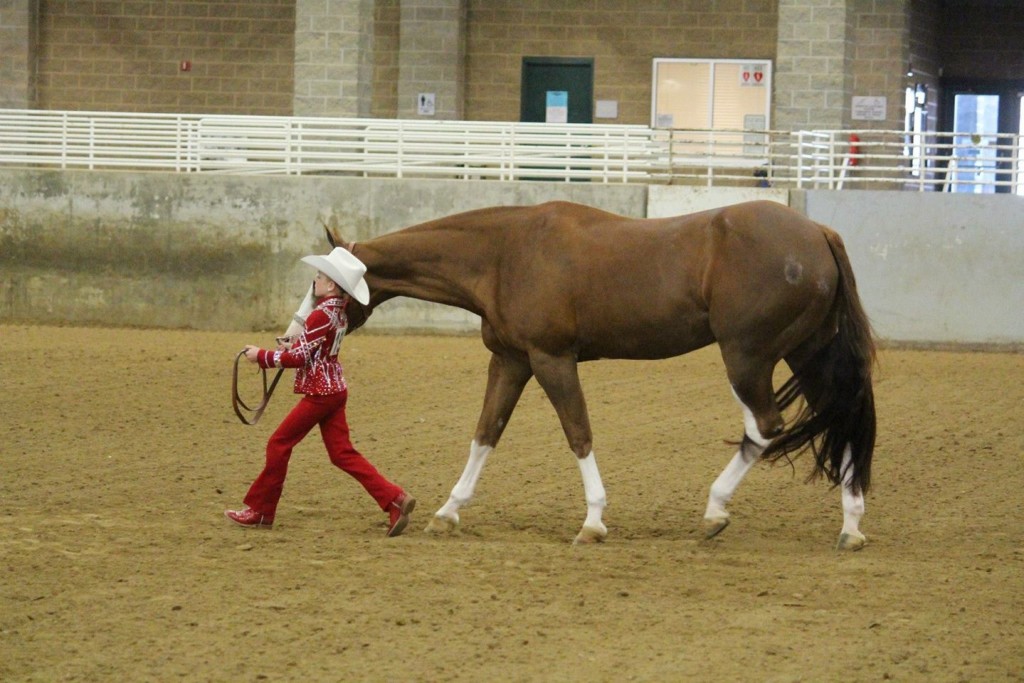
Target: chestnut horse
column 560, row 283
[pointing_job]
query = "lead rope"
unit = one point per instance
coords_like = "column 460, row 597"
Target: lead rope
column 239, row 405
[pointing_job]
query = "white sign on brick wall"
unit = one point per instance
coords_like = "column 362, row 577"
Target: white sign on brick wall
column 425, row 104
column 868, row 109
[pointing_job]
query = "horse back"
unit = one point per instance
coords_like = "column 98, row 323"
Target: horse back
column 610, row 286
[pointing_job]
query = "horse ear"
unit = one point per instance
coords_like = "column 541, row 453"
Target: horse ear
column 330, row 236
column 333, row 238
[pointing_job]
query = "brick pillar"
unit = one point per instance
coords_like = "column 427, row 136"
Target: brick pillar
column 432, row 57
column 17, row 42
column 333, row 58
column 813, row 82
column 882, row 38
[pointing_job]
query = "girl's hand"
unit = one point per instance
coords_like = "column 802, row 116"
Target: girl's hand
column 251, row 353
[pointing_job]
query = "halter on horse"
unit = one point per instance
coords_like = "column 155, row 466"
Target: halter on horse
column 560, row 283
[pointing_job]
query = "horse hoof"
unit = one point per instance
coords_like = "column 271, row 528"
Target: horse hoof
column 589, row 534
column 441, row 525
column 851, row 541
column 714, row 526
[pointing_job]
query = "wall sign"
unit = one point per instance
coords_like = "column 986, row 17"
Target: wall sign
column 425, row 104
column 557, row 107
column 752, row 75
column 868, row 109
column 606, row 109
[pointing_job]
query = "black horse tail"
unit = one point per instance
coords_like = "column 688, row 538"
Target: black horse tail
column 839, row 407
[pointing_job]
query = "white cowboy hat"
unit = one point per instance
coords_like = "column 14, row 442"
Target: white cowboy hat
column 345, row 269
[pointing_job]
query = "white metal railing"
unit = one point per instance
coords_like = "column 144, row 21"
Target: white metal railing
column 834, row 159
column 947, row 162
column 295, row 145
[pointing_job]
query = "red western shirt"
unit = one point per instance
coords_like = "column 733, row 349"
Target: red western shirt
column 315, row 354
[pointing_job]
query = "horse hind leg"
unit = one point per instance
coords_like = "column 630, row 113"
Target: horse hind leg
column 850, row 538
column 716, row 517
column 507, row 376
column 752, row 387
column 807, row 363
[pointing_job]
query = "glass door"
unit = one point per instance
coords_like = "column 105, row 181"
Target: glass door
column 983, row 121
column 975, row 124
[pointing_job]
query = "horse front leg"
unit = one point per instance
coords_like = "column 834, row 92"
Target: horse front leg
column 559, row 377
column 507, row 375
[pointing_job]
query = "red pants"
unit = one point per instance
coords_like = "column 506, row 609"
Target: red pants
column 329, row 413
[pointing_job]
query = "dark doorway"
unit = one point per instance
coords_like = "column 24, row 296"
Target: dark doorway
column 549, row 83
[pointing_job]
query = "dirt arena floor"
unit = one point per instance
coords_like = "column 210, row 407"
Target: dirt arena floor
column 120, row 451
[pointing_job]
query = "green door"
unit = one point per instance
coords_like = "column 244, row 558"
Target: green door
column 557, row 89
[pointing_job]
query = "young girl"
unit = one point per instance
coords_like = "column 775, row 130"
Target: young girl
column 319, row 377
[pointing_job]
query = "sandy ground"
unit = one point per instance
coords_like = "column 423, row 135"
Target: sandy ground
column 119, row 452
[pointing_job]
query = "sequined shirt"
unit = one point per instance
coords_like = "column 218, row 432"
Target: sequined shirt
column 315, row 354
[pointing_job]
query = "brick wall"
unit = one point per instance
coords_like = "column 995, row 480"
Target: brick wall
column 124, row 55
column 813, row 85
column 16, row 44
column 622, row 37
column 386, row 17
column 924, row 53
column 433, row 57
column 333, row 57
column 881, row 35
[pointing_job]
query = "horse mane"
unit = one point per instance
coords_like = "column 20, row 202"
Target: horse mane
column 421, row 244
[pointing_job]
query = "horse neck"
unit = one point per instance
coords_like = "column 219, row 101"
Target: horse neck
column 434, row 265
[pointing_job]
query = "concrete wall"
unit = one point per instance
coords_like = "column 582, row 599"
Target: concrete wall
column 221, row 252
column 664, row 201
column 932, row 268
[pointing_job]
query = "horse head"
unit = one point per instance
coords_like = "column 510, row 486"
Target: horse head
column 356, row 312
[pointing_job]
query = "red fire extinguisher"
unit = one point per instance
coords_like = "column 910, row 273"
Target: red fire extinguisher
column 854, row 153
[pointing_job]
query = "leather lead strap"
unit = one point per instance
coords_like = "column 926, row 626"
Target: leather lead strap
column 239, row 405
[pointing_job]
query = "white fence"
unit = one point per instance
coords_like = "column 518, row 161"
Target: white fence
column 834, row 159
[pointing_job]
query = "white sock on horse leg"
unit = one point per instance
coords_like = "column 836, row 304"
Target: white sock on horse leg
column 750, row 424
column 593, row 489
column 725, row 485
column 463, row 491
column 727, row 482
column 853, row 503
